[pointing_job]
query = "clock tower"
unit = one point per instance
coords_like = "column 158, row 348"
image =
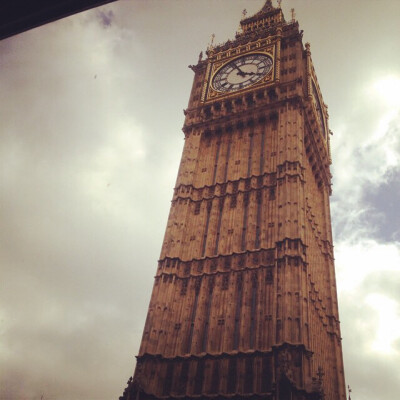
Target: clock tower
column 244, row 303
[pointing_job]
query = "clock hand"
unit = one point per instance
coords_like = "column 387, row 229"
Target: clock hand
column 241, row 73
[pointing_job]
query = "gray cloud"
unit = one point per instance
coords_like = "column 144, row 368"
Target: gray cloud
column 384, row 200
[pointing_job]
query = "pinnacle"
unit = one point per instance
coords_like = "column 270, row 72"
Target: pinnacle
column 268, row 6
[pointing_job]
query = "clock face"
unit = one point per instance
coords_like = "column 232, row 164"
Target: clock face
column 242, row 72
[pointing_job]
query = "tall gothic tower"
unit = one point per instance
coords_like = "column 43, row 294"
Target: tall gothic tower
column 244, row 303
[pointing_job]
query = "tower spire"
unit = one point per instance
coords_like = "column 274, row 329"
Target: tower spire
column 268, row 6
column 265, row 18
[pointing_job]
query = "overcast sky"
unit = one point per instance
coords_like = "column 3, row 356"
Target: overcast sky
column 90, row 124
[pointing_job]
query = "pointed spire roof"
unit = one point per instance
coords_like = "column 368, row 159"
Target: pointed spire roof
column 265, row 9
column 267, row 6
column 269, row 15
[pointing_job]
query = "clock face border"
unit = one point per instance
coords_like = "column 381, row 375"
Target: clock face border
column 246, row 76
column 219, row 61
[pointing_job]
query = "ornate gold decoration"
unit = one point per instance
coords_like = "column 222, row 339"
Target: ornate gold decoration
column 213, row 67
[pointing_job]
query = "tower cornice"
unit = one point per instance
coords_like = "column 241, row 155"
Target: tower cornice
column 245, row 106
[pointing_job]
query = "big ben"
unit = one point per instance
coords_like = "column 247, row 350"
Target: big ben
column 244, row 303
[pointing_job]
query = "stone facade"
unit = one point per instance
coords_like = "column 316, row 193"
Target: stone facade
column 244, row 303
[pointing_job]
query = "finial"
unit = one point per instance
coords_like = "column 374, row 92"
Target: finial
column 240, row 28
column 267, row 6
column 211, row 45
column 200, row 56
column 279, row 3
column 349, row 389
column 293, row 15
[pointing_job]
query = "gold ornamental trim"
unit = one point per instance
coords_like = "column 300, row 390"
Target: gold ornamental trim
column 219, row 61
